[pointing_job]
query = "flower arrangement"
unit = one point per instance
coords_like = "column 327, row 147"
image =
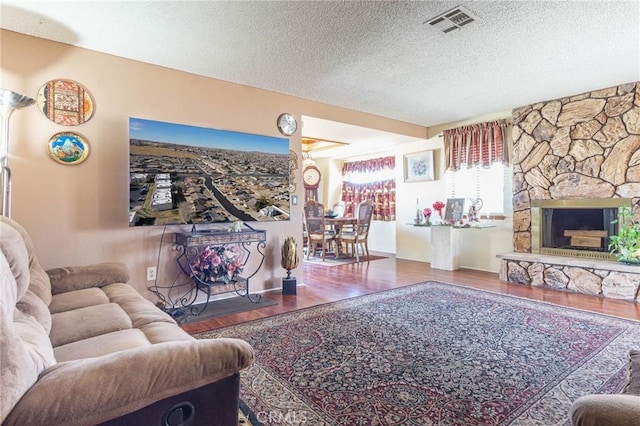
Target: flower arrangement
column 438, row 206
column 217, row 264
column 426, row 211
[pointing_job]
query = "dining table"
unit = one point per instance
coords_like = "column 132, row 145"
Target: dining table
column 337, row 223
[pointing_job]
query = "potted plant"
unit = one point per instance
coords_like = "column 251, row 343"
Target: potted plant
column 626, row 245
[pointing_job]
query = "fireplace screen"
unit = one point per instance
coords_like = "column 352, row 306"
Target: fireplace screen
column 575, row 227
column 578, row 229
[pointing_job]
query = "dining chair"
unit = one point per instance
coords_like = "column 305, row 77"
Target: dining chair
column 318, row 236
column 357, row 236
column 338, row 209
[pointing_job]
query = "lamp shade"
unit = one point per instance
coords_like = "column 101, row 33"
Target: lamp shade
column 10, row 100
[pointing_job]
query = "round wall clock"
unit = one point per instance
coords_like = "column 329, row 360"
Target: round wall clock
column 287, row 124
column 311, row 177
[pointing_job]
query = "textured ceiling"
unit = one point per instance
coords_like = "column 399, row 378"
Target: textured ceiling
column 375, row 56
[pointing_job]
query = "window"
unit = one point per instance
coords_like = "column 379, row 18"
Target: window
column 370, row 179
column 487, row 183
column 476, row 160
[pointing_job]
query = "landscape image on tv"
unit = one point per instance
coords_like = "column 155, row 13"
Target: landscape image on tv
column 180, row 174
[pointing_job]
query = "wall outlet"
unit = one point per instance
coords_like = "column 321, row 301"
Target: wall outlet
column 151, row 273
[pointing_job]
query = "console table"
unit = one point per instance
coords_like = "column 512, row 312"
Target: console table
column 445, row 245
column 239, row 246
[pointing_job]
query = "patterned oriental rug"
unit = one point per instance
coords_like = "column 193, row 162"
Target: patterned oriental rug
column 430, row 354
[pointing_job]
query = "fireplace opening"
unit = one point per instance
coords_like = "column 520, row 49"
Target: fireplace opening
column 580, row 228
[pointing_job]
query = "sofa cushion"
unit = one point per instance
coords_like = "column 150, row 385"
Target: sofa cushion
column 15, row 252
column 161, row 332
column 83, row 323
column 32, row 305
column 33, row 335
column 101, row 345
column 77, row 299
column 73, row 278
column 632, row 386
column 25, row 350
column 18, row 249
column 140, row 310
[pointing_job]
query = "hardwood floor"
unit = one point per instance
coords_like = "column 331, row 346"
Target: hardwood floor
column 328, row 284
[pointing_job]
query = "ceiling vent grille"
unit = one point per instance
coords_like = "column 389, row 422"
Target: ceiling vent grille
column 453, row 19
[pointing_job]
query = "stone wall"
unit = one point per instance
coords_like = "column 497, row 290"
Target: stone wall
column 584, row 146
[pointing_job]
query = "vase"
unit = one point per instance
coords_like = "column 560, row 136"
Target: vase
column 419, row 217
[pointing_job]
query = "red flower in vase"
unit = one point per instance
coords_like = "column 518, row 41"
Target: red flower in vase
column 438, row 206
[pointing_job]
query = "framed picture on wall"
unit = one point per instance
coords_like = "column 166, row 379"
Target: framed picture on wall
column 418, row 166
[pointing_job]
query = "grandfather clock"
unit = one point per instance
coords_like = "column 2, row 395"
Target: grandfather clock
column 311, row 179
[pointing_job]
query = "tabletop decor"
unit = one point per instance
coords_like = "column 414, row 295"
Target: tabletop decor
column 218, row 263
column 454, row 210
column 289, row 261
column 65, row 102
column 427, row 215
column 438, row 206
column 419, row 218
column 68, row 148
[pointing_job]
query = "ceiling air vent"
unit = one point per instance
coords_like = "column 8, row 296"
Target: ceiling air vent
column 453, row 19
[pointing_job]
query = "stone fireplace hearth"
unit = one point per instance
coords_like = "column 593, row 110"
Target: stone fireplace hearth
column 580, row 147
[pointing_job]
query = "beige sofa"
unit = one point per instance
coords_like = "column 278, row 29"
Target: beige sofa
column 78, row 346
column 612, row 410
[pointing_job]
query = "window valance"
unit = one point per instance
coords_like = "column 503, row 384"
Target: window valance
column 369, row 166
column 477, row 144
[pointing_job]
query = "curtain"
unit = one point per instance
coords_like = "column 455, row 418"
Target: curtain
column 478, row 144
column 369, row 166
column 382, row 192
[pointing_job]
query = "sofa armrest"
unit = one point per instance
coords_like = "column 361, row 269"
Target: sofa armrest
column 79, row 277
column 605, row 410
column 94, row 390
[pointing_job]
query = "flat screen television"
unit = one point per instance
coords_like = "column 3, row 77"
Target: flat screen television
column 181, row 174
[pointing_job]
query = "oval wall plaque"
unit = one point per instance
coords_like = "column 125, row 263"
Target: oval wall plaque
column 68, row 148
column 65, row 102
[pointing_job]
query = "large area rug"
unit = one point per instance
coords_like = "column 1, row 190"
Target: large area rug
column 430, row 354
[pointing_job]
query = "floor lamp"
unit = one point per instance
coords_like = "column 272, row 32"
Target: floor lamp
column 9, row 102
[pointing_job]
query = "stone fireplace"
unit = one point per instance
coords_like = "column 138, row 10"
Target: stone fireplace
column 566, row 154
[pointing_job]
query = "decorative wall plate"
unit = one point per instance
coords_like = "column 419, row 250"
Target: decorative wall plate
column 65, row 102
column 293, row 166
column 68, row 148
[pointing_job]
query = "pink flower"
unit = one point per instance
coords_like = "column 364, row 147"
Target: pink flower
column 426, row 211
column 438, row 206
